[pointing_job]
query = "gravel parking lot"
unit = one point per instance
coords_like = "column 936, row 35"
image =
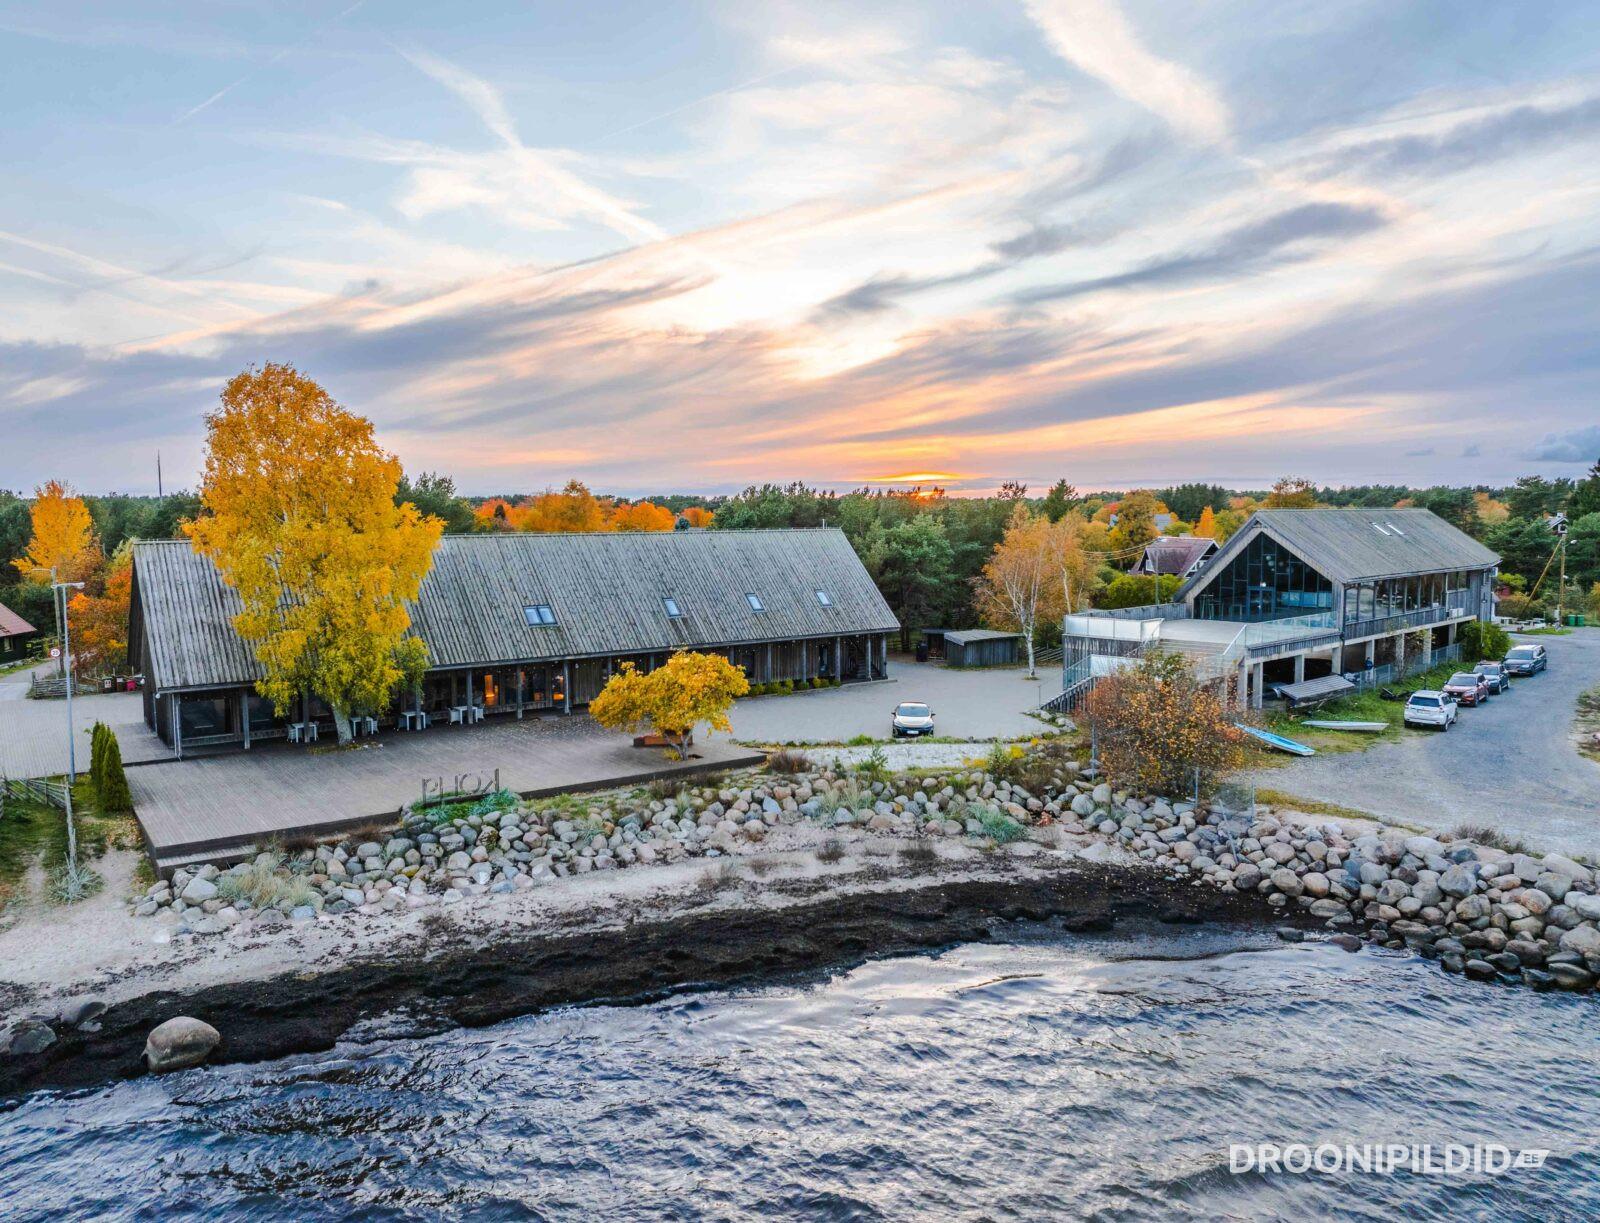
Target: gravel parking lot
column 1513, row 764
column 966, row 705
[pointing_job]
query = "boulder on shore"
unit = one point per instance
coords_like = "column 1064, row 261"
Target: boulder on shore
column 179, row 1043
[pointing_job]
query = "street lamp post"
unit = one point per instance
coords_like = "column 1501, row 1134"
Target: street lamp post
column 64, row 628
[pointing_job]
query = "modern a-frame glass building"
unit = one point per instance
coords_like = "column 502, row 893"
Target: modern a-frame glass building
column 1297, row 594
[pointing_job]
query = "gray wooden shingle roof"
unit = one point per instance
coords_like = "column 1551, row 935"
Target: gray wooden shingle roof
column 1174, row 554
column 606, row 592
column 1358, row 545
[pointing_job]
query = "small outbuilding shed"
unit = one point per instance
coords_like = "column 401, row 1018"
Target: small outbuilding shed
column 981, row 647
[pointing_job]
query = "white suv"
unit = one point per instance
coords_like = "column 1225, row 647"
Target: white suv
column 1429, row 708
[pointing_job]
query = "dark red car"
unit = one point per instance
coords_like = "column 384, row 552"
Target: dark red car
column 1467, row 688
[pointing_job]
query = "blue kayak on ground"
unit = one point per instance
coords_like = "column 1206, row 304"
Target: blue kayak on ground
column 1277, row 741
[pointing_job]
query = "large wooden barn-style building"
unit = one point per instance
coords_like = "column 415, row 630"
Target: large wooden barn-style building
column 519, row 624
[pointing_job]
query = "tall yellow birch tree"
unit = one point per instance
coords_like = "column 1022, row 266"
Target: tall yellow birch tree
column 299, row 517
column 1022, row 580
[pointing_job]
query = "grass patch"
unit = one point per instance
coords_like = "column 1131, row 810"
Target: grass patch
column 788, row 762
column 264, row 885
column 1282, row 800
column 830, row 851
column 30, row 833
column 1589, row 723
column 1553, row 631
column 996, row 824
column 663, row 788
column 1482, row 834
column 724, row 874
column 36, row 834
column 1363, row 706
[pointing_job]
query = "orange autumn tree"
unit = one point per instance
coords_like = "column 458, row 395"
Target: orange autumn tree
column 688, row 689
column 573, row 509
column 497, row 513
column 641, row 516
column 299, row 517
column 698, row 516
column 1206, row 528
column 63, row 537
column 100, row 622
column 1160, row 731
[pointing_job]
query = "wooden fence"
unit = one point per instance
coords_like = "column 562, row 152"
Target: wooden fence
column 32, row 790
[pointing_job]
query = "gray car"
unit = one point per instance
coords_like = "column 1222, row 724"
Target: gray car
column 1527, row 660
column 1495, row 673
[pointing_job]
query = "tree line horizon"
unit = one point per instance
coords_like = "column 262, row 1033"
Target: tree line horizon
column 1012, row 559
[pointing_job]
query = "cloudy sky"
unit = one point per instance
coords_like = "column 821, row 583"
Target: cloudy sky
column 696, row 245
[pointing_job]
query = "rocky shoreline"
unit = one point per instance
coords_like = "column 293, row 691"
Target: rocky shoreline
column 1019, row 831
column 726, row 946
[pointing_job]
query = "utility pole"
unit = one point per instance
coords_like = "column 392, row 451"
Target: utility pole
column 1561, row 588
column 1559, row 525
column 64, row 629
column 158, row 474
column 72, row 746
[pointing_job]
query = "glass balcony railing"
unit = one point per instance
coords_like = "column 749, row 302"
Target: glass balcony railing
column 1378, row 626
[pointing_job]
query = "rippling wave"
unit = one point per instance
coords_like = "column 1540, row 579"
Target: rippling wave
column 1044, row 1078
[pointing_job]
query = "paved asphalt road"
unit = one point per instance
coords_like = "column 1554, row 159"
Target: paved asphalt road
column 14, row 687
column 1511, row 764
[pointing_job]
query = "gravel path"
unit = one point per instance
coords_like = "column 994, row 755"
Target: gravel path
column 903, row 755
column 1512, row 764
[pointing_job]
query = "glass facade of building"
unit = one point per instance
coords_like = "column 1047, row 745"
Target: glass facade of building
column 1397, row 596
column 1265, row 582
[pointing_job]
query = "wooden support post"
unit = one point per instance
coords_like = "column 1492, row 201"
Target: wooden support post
column 244, row 717
column 771, row 674
column 177, row 726
column 838, row 658
column 566, row 687
column 521, row 676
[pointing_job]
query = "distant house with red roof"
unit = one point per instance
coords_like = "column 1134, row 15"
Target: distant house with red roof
column 15, row 633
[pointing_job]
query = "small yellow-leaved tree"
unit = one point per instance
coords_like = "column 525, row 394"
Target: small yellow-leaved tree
column 63, row 537
column 299, row 517
column 688, row 689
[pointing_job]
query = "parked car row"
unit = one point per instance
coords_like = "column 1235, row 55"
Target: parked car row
column 1440, row 707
